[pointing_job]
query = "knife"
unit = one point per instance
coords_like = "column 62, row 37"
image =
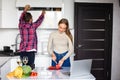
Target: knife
column 55, row 62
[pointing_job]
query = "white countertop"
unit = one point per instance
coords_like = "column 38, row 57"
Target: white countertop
column 44, row 73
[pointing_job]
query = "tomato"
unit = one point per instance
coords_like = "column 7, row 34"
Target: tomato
column 57, row 66
column 33, row 74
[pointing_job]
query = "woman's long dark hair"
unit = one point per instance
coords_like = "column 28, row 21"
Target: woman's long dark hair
column 65, row 21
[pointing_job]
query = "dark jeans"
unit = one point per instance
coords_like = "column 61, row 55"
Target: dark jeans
column 31, row 58
column 59, row 57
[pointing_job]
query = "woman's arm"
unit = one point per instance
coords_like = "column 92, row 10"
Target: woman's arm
column 70, row 51
column 50, row 47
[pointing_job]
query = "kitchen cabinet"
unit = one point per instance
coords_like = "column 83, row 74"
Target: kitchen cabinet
column 3, row 60
column 0, row 4
column 0, row 17
column 39, row 3
column 50, row 21
column 0, row 11
column 3, row 66
column 51, row 17
column 68, row 12
column 8, row 14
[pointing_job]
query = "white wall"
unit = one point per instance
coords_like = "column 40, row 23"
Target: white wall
column 7, row 37
column 116, row 41
column 116, row 36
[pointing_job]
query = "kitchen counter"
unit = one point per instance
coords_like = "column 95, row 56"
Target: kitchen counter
column 8, row 54
column 43, row 72
column 3, row 60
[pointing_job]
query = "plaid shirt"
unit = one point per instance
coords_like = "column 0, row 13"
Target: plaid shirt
column 28, row 33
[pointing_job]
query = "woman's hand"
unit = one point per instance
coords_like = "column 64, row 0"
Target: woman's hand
column 61, row 62
column 27, row 7
column 53, row 57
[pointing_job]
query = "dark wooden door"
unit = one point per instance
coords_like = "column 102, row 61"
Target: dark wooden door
column 93, row 36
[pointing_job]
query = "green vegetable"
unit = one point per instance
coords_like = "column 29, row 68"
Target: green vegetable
column 25, row 75
column 26, row 70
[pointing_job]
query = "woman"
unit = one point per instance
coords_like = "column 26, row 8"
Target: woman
column 60, row 44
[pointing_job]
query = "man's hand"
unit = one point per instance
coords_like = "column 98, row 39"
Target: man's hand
column 43, row 12
column 27, row 7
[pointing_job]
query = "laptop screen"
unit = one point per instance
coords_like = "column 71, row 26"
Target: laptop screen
column 80, row 67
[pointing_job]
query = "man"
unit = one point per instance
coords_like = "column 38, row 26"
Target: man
column 27, row 28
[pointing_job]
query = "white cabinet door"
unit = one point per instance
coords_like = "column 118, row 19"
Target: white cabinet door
column 3, row 60
column 0, row 16
column 68, row 11
column 8, row 14
column 0, row 11
column 39, row 3
column 0, row 4
column 4, row 69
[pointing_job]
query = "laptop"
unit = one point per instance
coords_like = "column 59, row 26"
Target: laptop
column 80, row 68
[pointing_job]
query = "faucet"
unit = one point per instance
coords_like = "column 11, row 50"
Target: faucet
column 16, row 43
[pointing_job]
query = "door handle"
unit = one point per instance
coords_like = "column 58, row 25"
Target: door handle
column 79, row 46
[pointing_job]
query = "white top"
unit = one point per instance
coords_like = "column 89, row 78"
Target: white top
column 60, row 43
